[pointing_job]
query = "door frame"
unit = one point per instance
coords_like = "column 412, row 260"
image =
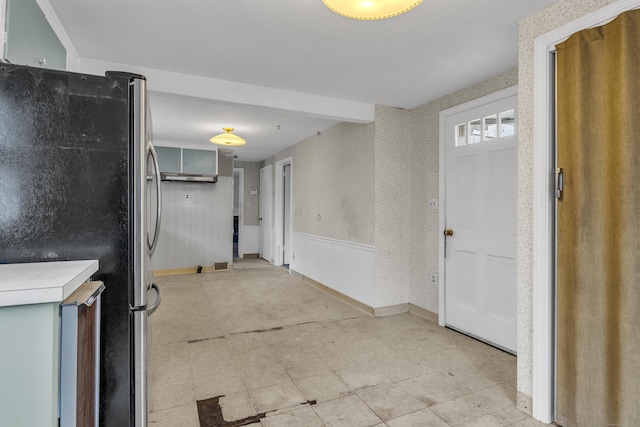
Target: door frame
column 442, row 169
column 543, row 375
column 266, row 224
column 279, row 210
column 240, row 210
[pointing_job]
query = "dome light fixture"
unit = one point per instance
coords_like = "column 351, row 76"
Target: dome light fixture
column 369, row 10
column 228, row 138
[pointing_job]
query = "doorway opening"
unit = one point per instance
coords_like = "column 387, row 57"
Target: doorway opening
column 238, row 212
column 283, row 202
column 543, row 283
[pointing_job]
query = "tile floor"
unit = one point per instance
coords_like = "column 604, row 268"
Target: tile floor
column 269, row 343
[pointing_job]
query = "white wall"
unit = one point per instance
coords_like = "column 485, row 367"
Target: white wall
column 251, row 239
column 198, row 230
column 333, row 208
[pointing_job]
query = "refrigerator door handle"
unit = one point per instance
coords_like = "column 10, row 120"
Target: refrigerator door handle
column 152, row 245
column 156, row 304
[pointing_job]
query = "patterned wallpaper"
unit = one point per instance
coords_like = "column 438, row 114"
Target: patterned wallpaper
column 333, row 183
column 554, row 16
column 394, row 192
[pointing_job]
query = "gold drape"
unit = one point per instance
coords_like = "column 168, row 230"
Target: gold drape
column 598, row 238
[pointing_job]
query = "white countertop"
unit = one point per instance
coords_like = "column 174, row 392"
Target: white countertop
column 42, row 282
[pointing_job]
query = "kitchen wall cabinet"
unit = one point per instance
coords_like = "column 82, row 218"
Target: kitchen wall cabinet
column 169, row 159
column 30, row 39
column 187, row 160
column 199, row 161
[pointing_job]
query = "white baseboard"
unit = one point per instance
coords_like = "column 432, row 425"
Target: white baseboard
column 423, row 313
column 390, row 310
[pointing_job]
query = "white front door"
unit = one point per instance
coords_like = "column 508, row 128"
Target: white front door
column 481, row 221
column 265, row 213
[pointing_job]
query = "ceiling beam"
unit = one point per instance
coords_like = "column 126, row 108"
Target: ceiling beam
column 240, row 93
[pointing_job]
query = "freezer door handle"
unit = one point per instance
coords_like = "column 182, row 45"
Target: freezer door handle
column 153, row 243
column 156, row 304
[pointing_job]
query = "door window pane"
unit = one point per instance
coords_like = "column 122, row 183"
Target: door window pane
column 461, row 135
column 490, row 128
column 475, row 131
column 507, row 123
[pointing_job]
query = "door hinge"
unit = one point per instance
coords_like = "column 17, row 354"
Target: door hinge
column 559, row 183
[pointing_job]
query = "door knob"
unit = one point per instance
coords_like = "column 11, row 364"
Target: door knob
column 448, row 233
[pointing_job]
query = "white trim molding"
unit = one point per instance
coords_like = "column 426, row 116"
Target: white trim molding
column 478, row 102
column 544, row 206
column 266, row 215
column 3, row 19
column 344, row 267
column 240, row 93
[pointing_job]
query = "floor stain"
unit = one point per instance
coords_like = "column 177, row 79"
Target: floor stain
column 205, row 339
column 210, row 414
column 277, row 328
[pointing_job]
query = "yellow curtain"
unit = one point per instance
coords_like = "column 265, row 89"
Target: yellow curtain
column 598, row 237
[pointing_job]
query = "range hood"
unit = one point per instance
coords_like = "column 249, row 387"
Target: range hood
column 188, row 177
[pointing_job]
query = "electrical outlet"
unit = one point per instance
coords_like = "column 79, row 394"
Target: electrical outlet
column 433, row 204
column 434, row 279
column 186, row 196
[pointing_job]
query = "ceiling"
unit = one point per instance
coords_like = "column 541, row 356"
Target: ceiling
column 298, row 48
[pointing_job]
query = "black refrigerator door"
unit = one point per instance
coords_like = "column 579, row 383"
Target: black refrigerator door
column 64, row 195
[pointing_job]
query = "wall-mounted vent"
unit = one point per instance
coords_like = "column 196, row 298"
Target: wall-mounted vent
column 220, row 266
column 188, row 177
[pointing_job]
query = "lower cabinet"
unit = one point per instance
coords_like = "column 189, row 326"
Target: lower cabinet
column 49, row 361
column 29, row 372
column 34, row 337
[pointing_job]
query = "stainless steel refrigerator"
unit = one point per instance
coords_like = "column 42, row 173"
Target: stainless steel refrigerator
column 79, row 179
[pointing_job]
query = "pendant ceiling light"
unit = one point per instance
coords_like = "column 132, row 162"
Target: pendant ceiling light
column 370, row 9
column 228, row 138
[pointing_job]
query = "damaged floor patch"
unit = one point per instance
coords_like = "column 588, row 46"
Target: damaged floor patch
column 210, row 414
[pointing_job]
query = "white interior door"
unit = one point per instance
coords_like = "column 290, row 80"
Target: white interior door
column 265, row 213
column 286, row 225
column 481, row 221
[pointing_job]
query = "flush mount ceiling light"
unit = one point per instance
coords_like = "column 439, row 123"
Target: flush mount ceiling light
column 228, row 138
column 370, row 9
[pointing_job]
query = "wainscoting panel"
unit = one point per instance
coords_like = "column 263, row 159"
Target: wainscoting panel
column 342, row 266
column 197, row 225
column 251, row 239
